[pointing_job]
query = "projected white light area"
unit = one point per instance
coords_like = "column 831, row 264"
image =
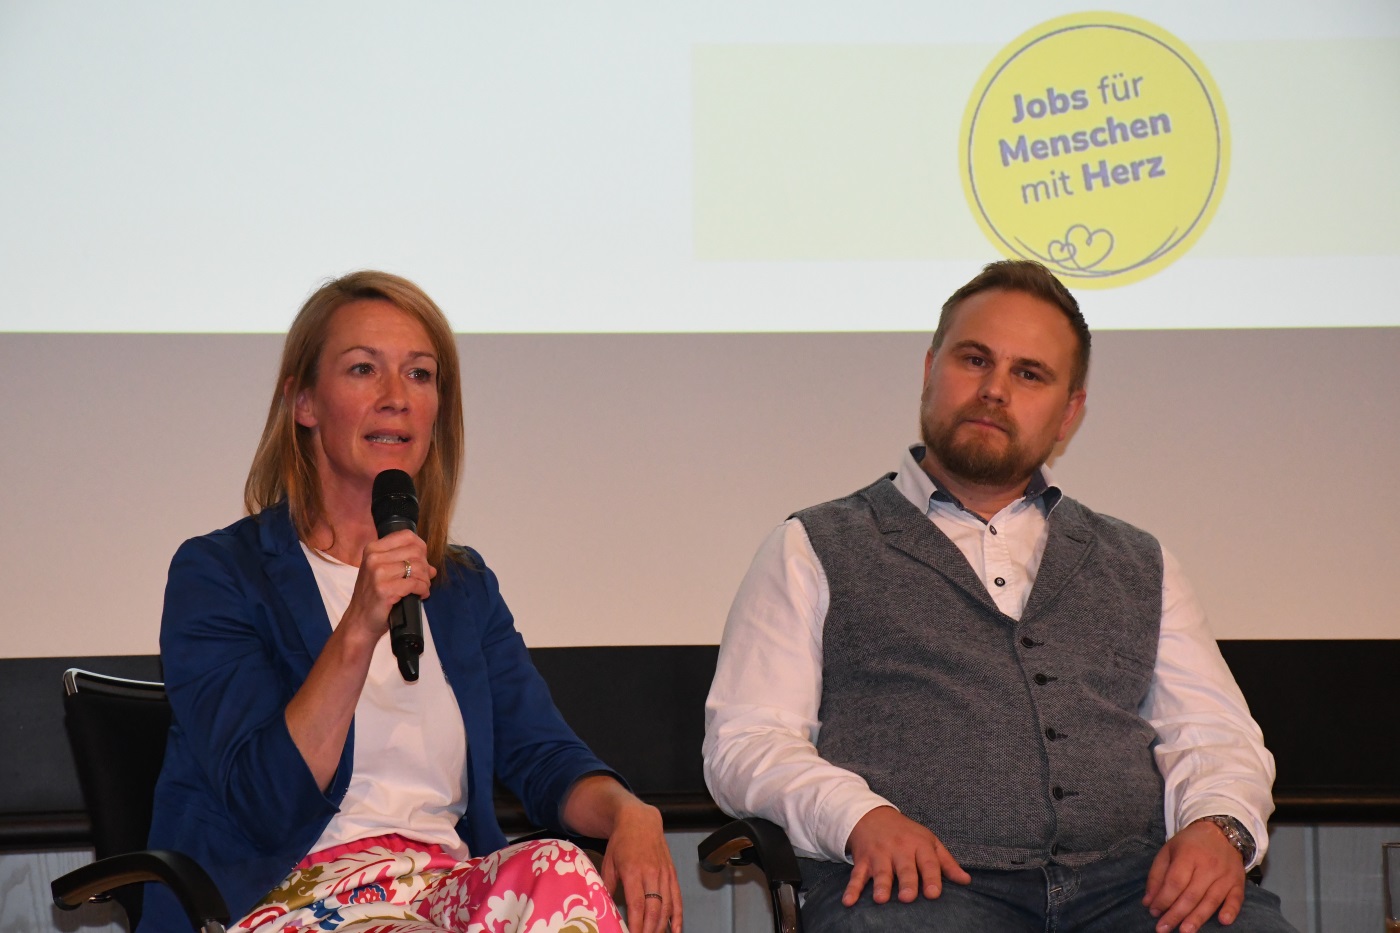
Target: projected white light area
column 575, row 168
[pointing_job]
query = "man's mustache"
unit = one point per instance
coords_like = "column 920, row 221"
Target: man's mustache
column 991, row 415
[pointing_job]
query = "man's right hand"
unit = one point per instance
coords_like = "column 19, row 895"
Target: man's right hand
column 886, row 845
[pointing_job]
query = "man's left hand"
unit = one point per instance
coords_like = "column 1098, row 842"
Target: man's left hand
column 1196, row 874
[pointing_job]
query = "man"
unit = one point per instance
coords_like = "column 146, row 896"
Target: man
column 958, row 674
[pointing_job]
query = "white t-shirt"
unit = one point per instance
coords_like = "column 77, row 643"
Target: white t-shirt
column 410, row 767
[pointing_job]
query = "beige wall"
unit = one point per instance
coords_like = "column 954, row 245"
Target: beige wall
column 619, row 484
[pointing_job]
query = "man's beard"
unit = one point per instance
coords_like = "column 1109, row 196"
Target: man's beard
column 975, row 458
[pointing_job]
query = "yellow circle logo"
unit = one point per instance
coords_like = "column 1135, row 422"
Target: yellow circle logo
column 1095, row 143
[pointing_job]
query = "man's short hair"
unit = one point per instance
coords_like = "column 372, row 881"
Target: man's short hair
column 1031, row 278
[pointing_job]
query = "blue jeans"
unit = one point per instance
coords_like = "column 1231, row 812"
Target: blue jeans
column 1102, row 897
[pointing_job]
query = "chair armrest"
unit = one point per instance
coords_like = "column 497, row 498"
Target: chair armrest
column 191, row 884
column 764, row 844
column 752, row 841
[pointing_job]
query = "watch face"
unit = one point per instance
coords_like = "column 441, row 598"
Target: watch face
column 1236, row 834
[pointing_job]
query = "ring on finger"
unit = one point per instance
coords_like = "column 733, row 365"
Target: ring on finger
column 407, row 570
column 655, row 895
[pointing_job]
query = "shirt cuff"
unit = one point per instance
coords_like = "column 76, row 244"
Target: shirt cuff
column 846, row 807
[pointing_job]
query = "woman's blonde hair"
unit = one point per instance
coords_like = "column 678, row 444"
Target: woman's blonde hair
column 284, row 466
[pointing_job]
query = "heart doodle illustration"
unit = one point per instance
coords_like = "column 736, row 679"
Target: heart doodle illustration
column 1082, row 248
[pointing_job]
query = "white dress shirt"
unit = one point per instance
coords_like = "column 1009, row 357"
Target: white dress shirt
column 761, row 721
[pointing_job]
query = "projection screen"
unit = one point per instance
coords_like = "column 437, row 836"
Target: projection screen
column 693, row 253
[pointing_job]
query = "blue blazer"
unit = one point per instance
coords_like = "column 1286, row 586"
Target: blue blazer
column 243, row 622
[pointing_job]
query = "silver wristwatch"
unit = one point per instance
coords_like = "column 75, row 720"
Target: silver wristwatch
column 1236, row 834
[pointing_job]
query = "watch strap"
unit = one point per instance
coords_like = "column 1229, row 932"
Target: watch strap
column 1236, row 834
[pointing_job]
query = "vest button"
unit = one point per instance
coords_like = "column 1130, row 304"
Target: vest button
column 1000, row 581
column 1058, row 793
column 1054, row 848
column 992, row 529
column 1051, row 734
column 1028, row 642
column 1041, row 679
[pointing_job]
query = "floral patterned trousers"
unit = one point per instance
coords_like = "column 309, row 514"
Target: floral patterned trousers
column 389, row 884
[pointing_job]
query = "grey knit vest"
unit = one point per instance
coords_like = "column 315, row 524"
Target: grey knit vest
column 1017, row 743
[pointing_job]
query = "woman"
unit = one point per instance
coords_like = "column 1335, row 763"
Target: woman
column 319, row 789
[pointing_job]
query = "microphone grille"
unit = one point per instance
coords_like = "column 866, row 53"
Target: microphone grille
column 394, row 496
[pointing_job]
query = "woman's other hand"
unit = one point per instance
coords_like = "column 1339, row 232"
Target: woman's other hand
column 637, row 856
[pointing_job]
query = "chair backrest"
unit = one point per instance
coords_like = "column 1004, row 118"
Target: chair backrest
column 117, row 729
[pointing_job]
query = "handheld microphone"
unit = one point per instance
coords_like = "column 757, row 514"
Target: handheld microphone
column 394, row 505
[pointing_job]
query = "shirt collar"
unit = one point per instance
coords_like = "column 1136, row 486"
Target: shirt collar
column 919, row 488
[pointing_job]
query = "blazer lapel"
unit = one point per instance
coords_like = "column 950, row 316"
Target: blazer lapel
column 286, row 567
column 453, row 626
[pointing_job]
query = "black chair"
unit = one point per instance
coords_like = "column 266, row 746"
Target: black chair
column 117, row 729
column 764, row 845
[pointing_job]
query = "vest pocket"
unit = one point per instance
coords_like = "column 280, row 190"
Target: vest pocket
column 1119, row 678
column 1131, row 678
